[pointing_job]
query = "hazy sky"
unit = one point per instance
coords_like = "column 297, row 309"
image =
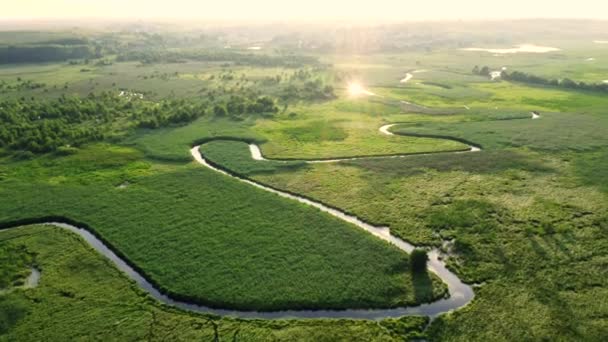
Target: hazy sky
column 304, row 9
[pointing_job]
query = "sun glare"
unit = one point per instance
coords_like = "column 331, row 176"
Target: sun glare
column 355, row 89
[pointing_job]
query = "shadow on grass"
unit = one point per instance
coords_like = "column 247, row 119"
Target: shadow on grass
column 423, row 286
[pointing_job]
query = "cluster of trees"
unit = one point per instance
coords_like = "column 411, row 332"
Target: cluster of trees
column 44, row 126
column 50, row 125
column 310, row 90
column 170, row 112
column 148, row 56
column 236, row 106
column 519, row 76
column 483, row 71
column 304, row 84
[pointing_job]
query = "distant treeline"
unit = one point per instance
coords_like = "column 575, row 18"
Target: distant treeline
column 523, row 77
column 164, row 56
column 45, row 53
column 518, row 76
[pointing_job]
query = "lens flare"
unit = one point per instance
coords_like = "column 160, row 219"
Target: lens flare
column 356, row 89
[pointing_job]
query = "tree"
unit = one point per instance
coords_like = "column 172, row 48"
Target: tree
column 418, row 260
column 219, row 110
column 485, row 71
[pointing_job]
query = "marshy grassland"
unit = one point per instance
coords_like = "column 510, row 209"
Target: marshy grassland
column 524, row 220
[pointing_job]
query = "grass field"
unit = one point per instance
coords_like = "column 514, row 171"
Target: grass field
column 81, row 297
column 553, row 132
column 526, row 218
column 341, row 129
column 330, row 130
column 249, row 250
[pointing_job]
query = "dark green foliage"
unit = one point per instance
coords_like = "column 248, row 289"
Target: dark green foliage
column 237, row 106
column 43, row 126
column 406, row 328
column 168, row 112
column 43, row 53
column 518, row 76
column 49, row 125
column 12, row 310
column 418, row 260
column 17, row 263
column 220, row 110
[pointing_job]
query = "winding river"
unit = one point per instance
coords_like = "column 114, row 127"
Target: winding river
column 460, row 294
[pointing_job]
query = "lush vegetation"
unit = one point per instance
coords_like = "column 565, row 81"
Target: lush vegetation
column 47, row 125
column 341, row 128
column 553, row 132
column 81, row 297
column 235, row 156
column 527, row 223
column 525, row 218
column 16, row 267
column 202, row 236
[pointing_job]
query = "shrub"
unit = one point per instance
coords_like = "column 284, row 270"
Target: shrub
column 418, row 260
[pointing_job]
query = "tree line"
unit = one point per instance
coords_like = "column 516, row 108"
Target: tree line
column 567, row 83
column 149, row 56
column 519, row 76
column 44, row 53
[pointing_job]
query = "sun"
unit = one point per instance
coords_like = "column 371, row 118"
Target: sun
column 355, row 89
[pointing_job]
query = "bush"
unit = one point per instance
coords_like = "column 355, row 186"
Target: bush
column 418, row 260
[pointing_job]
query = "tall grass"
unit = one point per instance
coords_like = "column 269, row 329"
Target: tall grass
column 81, row 296
column 202, row 236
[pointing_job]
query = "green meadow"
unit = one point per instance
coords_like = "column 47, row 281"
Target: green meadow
column 198, row 235
column 82, row 297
